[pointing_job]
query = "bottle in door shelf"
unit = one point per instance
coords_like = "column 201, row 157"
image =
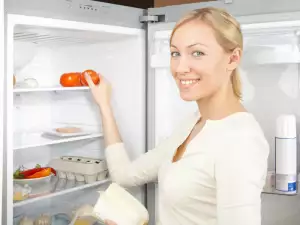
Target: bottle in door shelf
column 286, row 154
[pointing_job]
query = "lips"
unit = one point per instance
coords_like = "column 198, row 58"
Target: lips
column 188, row 83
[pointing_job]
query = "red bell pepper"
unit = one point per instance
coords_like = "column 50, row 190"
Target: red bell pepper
column 27, row 173
column 21, row 174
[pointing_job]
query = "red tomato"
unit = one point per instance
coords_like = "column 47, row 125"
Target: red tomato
column 95, row 77
column 70, row 80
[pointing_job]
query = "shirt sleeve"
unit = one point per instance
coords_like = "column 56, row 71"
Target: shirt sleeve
column 137, row 172
column 240, row 172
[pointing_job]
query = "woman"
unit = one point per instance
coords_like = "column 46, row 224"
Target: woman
column 212, row 169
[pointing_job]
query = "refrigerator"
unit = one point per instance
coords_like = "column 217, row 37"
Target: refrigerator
column 129, row 46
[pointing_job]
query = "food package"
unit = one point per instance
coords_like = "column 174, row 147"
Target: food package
column 26, row 221
column 84, row 215
column 120, row 206
column 43, row 219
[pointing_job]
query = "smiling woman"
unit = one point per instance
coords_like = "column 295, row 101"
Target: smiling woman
column 209, row 54
column 212, row 169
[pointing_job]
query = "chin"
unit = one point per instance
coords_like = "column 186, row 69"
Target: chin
column 188, row 98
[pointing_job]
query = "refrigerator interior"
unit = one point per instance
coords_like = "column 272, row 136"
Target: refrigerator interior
column 44, row 49
column 270, row 79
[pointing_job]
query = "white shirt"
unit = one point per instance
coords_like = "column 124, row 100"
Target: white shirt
column 218, row 180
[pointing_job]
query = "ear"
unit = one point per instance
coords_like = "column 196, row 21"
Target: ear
column 234, row 59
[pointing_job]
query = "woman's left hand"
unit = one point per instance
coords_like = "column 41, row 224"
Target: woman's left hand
column 109, row 222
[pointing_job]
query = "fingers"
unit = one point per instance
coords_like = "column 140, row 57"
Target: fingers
column 109, row 222
column 102, row 78
column 89, row 80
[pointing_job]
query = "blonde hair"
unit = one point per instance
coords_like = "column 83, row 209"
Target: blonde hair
column 227, row 32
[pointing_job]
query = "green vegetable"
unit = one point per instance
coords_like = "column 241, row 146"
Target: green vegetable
column 18, row 173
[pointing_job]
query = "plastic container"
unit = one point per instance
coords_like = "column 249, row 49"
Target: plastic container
column 286, row 154
column 21, row 192
column 118, row 205
column 34, row 181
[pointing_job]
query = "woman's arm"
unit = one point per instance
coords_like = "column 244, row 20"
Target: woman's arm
column 137, row 172
column 102, row 96
column 109, row 126
column 240, row 177
column 143, row 170
column 140, row 171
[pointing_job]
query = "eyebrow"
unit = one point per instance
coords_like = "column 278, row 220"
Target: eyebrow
column 189, row 46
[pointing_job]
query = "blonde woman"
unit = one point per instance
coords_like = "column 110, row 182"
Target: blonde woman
column 211, row 170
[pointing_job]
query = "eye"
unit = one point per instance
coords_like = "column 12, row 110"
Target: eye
column 197, row 53
column 175, row 54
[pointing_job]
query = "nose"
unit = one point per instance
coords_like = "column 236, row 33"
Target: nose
column 183, row 65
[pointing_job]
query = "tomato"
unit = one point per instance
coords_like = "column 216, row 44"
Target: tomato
column 95, row 77
column 70, row 80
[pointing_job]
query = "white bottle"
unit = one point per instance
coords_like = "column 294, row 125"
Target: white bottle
column 286, row 154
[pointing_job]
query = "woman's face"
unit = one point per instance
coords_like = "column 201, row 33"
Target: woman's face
column 199, row 64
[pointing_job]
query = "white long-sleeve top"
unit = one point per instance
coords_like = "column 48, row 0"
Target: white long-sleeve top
column 218, row 180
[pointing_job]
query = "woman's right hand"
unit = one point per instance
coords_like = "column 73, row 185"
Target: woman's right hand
column 109, row 222
column 101, row 92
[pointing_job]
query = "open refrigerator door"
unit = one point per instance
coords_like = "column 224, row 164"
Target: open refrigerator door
column 270, row 77
column 270, row 74
column 41, row 104
column 270, row 83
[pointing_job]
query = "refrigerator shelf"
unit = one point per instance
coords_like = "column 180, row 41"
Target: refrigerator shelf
column 32, row 140
column 56, row 193
column 275, row 192
column 48, row 89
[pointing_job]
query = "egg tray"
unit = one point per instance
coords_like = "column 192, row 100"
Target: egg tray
column 81, row 177
column 80, row 168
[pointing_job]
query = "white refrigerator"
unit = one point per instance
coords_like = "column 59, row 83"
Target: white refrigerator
column 44, row 39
